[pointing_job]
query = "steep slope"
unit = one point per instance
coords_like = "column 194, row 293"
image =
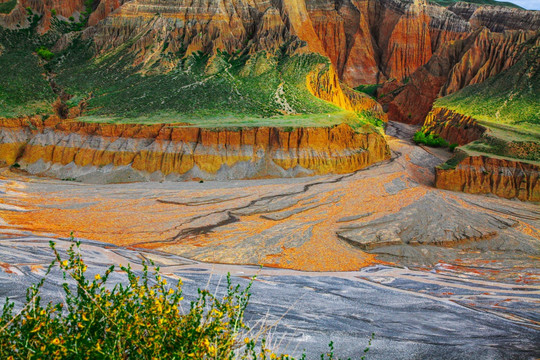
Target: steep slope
column 498, row 124
column 480, row 2
column 456, row 65
column 367, row 41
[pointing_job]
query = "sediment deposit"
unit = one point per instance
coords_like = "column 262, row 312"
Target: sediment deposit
column 131, row 152
column 483, row 175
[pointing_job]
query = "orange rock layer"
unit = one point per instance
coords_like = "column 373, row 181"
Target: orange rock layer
column 326, row 86
column 176, row 149
column 483, row 175
column 453, row 127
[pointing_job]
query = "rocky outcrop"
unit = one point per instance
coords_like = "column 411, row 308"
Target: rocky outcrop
column 497, row 18
column 63, row 9
column 454, row 66
column 124, row 152
column 367, row 41
column 453, row 127
column 483, row 175
column 325, row 85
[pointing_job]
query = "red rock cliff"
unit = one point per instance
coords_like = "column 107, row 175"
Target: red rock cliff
column 455, row 65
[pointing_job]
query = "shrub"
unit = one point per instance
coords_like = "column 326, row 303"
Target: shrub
column 141, row 320
column 429, row 139
column 53, row 12
column 45, row 53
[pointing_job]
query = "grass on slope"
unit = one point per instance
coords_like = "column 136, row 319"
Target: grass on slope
column 24, row 89
column 223, row 90
column 5, row 8
column 481, row 2
column 510, row 98
column 198, row 88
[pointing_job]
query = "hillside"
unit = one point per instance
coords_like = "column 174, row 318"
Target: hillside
column 480, row 2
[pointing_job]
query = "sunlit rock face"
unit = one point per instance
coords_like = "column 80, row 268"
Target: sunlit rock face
column 455, row 65
column 484, row 175
column 453, row 127
column 127, row 152
column 368, row 41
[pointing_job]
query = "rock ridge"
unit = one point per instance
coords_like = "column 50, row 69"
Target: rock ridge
column 73, row 149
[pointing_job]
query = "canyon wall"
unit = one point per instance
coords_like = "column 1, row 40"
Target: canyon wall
column 454, row 66
column 367, row 41
column 133, row 152
column 510, row 172
column 483, row 175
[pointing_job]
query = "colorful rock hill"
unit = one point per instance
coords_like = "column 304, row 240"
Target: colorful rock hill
column 497, row 123
column 285, row 68
column 134, row 152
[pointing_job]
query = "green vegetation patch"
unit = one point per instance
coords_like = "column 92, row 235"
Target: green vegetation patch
column 45, row 53
column 24, row 89
column 7, row 7
column 223, row 90
column 208, row 90
column 453, row 161
column 370, row 89
column 509, row 98
column 431, row 139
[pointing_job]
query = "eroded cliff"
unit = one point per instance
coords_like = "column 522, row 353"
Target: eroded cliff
column 493, row 158
column 454, row 66
column 131, row 152
column 483, row 175
column 455, row 128
column 368, row 41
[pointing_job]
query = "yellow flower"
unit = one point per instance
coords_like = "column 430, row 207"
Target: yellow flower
column 212, row 350
column 171, row 291
column 84, row 317
column 56, row 341
column 37, row 328
column 97, row 277
column 98, row 347
column 246, row 340
column 65, row 263
column 80, row 325
column 84, row 268
column 164, row 282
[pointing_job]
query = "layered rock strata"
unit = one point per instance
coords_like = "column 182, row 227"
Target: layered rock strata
column 507, row 173
column 368, row 41
column 454, row 66
column 132, row 152
column 454, row 127
column 484, row 175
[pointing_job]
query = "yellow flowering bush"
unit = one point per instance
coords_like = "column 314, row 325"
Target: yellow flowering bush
column 141, row 319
